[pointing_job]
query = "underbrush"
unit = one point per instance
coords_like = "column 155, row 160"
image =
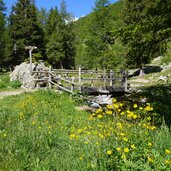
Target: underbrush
column 6, row 83
column 43, row 131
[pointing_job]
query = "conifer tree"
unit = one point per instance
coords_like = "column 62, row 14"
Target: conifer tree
column 2, row 31
column 68, row 37
column 24, row 29
column 54, row 38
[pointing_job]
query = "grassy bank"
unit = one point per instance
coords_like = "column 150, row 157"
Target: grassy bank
column 43, row 131
column 6, row 84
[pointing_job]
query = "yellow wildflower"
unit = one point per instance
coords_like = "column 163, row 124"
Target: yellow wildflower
column 150, row 160
column 116, row 105
column 125, row 139
column 148, row 108
column 100, row 116
column 114, row 100
column 79, row 130
column 149, row 118
column 133, row 146
column 167, row 151
column 122, row 113
column 81, row 157
column 108, row 112
column 120, row 104
column 123, row 156
column 5, row 135
column 72, row 136
column 118, row 149
column 135, row 116
column 109, row 106
column 135, row 105
column 119, row 125
column 141, row 108
column 149, row 144
column 126, row 150
column 168, row 161
column 109, row 152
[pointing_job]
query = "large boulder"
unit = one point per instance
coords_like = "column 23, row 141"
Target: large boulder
column 22, row 73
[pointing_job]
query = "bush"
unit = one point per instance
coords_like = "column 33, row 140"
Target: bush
column 4, row 80
column 15, row 84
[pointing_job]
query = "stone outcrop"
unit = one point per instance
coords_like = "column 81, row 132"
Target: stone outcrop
column 22, row 74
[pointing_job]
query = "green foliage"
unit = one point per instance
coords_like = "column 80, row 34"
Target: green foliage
column 59, row 47
column 4, row 80
column 24, row 29
column 146, row 30
column 2, row 31
column 15, row 84
column 43, row 131
column 6, row 83
column 166, row 59
column 96, row 42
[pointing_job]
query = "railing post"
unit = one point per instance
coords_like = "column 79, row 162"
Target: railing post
column 50, row 77
column 105, row 79
column 72, row 85
column 92, row 79
column 126, row 80
column 79, row 78
column 111, row 78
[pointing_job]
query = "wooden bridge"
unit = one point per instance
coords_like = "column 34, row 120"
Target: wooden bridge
column 87, row 81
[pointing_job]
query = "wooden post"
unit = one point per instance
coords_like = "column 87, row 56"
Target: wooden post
column 111, row 78
column 126, row 80
column 92, row 79
column 72, row 85
column 104, row 78
column 79, row 78
column 50, row 77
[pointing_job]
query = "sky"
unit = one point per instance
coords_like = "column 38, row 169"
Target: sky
column 78, row 7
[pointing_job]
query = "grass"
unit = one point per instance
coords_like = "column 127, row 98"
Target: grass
column 43, row 131
column 6, row 84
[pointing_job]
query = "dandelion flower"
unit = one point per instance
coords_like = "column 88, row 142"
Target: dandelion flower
column 133, row 146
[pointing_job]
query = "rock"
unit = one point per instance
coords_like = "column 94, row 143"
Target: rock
column 22, row 74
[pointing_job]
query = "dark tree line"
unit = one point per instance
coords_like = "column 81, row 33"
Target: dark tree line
column 129, row 33
column 50, row 32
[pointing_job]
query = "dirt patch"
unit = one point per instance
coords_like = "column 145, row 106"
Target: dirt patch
column 11, row 93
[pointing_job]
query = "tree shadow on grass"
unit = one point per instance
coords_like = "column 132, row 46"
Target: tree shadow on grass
column 160, row 98
column 147, row 70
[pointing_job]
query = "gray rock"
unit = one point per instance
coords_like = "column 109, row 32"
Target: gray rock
column 22, row 74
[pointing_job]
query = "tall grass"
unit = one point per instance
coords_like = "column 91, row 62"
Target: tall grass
column 6, row 83
column 43, row 131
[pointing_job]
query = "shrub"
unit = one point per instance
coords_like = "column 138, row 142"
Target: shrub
column 15, row 84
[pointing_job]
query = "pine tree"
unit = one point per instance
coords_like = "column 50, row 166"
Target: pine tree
column 68, row 37
column 2, row 31
column 24, row 28
column 54, row 38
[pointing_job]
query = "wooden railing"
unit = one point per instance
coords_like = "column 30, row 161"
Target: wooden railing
column 70, row 80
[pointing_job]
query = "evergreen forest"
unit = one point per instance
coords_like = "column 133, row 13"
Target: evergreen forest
column 126, row 34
